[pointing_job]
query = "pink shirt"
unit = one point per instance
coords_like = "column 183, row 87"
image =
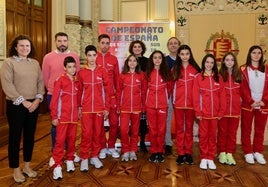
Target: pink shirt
column 53, row 67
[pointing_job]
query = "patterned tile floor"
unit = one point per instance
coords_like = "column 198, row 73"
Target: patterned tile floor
column 136, row 173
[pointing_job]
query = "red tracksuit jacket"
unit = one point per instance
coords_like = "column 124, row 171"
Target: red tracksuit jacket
column 208, row 97
column 157, row 91
column 110, row 63
column 233, row 99
column 246, row 94
column 64, row 102
column 131, row 93
column 94, row 90
column 183, row 88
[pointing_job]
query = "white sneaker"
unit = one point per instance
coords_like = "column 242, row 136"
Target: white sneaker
column 259, row 157
column 211, row 164
column 113, row 152
column 132, row 155
column 84, row 165
column 102, row 154
column 51, row 162
column 203, row 164
column 125, row 157
column 249, row 158
column 57, row 173
column 70, row 166
column 96, row 162
column 76, row 158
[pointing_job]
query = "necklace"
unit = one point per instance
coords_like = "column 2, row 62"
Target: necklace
column 255, row 69
column 18, row 59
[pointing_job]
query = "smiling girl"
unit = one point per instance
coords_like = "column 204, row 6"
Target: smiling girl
column 130, row 101
column 209, row 105
column 254, row 94
column 229, row 123
column 158, row 78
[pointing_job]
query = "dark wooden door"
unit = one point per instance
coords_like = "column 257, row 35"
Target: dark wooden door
column 33, row 18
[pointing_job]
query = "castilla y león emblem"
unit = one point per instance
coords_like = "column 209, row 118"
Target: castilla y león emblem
column 220, row 43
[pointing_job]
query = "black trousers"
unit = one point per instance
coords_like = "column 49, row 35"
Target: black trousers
column 20, row 122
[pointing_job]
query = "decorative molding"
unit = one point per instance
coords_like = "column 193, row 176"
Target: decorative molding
column 184, row 9
column 85, row 23
column 70, row 19
column 212, row 6
column 262, row 19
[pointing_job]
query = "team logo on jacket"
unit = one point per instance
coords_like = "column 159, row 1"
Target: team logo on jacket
column 98, row 78
column 109, row 65
column 162, row 111
column 191, row 75
column 137, row 80
column 217, row 84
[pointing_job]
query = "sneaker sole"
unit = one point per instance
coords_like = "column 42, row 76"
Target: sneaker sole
column 57, row 179
column 189, row 163
column 85, row 170
column 70, row 171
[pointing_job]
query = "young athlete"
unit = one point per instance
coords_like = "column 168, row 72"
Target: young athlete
column 254, row 94
column 228, row 125
column 95, row 93
column 130, row 99
column 209, row 105
column 64, row 115
column 158, row 78
column 138, row 49
column 110, row 63
column 184, row 71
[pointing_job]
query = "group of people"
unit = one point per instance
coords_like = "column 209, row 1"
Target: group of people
column 143, row 96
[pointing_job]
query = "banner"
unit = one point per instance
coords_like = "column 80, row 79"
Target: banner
column 154, row 36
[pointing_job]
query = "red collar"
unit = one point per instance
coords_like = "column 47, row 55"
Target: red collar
column 253, row 68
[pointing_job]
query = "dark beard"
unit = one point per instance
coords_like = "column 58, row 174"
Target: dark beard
column 62, row 48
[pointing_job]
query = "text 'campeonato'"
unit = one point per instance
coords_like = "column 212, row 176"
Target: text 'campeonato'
column 138, row 30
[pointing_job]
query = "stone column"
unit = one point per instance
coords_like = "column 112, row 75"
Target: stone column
column 86, row 27
column 96, row 6
column 72, row 26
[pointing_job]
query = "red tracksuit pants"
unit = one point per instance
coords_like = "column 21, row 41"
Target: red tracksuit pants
column 157, row 119
column 129, row 131
column 260, row 120
column 227, row 130
column 64, row 133
column 184, row 119
column 91, row 124
column 207, row 138
column 113, row 130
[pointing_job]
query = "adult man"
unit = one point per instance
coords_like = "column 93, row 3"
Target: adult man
column 173, row 45
column 52, row 68
column 110, row 63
